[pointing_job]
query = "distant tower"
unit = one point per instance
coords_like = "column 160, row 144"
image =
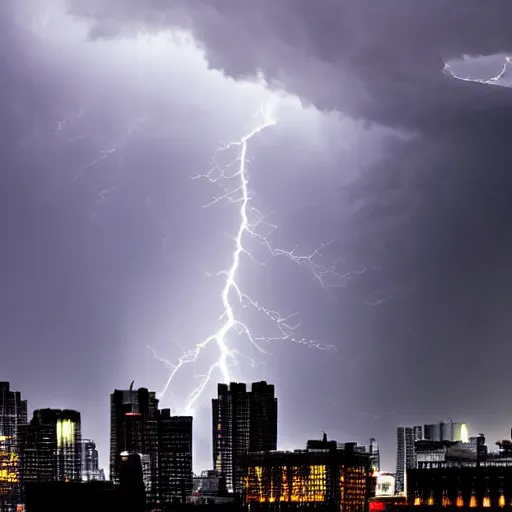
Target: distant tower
column 405, row 454
column 90, row 462
column 242, row 422
column 134, row 429
column 373, row 449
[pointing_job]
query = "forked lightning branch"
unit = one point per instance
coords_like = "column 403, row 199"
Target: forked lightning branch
column 233, row 180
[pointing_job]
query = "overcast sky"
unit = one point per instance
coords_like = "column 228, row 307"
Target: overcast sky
column 402, row 171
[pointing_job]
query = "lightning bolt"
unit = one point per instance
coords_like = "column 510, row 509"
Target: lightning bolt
column 287, row 325
column 490, row 81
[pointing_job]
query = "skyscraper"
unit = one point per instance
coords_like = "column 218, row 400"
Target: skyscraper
column 50, row 447
column 90, row 462
column 174, row 457
column 405, row 455
column 134, row 429
column 242, row 422
column 373, row 450
column 13, row 413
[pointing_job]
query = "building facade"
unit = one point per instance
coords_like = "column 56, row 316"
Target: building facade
column 90, row 462
column 174, row 457
column 323, row 476
column 50, row 447
column 134, row 430
column 372, row 448
column 405, row 454
column 465, row 485
column 13, row 414
column 446, row 431
column 243, row 421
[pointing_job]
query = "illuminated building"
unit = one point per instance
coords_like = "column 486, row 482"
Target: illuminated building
column 210, row 484
column 446, row 431
column 322, row 476
column 453, row 473
column 134, row 429
column 174, row 457
column 405, row 455
column 13, row 414
column 90, row 462
column 385, row 485
column 51, row 447
column 242, row 422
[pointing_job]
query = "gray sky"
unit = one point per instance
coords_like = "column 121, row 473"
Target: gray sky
column 110, row 108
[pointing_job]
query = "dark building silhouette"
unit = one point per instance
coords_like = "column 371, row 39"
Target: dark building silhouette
column 134, row 429
column 242, row 422
column 174, row 457
column 90, row 462
column 131, row 482
column 50, row 447
column 324, row 476
column 128, row 496
column 13, row 413
column 66, row 496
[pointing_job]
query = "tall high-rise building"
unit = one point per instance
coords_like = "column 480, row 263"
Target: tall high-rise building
column 90, row 462
column 134, row 429
column 405, row 454
column 13, row 414
column 175, row 474
column 50, row 447
column 242, row 422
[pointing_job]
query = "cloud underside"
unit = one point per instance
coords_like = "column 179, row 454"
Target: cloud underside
column 379, row 61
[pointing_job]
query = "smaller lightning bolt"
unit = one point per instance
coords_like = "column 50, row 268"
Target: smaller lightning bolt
column 490, row 81
column 115, row 147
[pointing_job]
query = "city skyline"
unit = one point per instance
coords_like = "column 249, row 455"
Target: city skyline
column 50, row 448
column 456, row 430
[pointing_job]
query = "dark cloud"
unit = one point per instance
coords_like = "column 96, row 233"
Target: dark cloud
column 383, row 62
